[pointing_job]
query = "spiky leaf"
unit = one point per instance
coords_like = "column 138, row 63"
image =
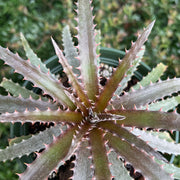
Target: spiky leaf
column 157, row 143
column 170, row 168
column 150, row 169
column 152, row 77
column 148, row 94
column 130, row 138
column 32, row 144
column 32, row 56
column 100, row 159
column 130, row 72
column 121, row 70
column 16, row 90
column 163, row 105
column 49, row 159
column 82, row 169
column 42, row 116
column 83, row 97
column 87, row 48
column 70, row 51
column 45, row 81
column 151, row 119
column 117, row 168
column 11, row 104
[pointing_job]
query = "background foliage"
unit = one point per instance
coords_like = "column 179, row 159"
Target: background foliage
column 118, row 20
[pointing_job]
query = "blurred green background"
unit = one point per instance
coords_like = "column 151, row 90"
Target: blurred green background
column 118, row 20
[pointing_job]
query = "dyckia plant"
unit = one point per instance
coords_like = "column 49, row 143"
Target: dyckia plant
column 103, row 126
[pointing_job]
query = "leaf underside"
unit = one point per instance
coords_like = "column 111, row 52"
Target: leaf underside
column 32, row 56
column 82, row 169
column 117, row 168
column 34, row 143
column 70, row 51
column 164, row 105
column 152, row 76
column 156, row 142
column 170, row 168
column 147, row 94
column 11, row 104
column 17, row 90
